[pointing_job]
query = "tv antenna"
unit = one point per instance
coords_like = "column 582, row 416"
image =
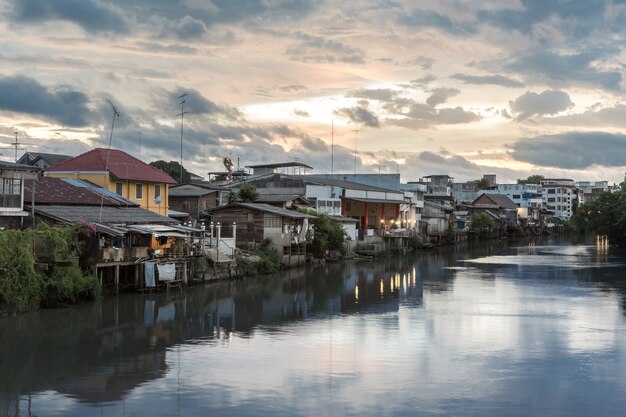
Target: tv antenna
column 332, row 146
column 182, row 122
column 116, row 115
column 17, row 145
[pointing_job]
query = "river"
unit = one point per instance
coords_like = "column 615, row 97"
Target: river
column 500, row 329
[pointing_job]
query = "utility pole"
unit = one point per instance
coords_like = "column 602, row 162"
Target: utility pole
column 356, row 132
column 182, row 122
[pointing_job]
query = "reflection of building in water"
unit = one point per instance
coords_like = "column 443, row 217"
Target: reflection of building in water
column 101, row 352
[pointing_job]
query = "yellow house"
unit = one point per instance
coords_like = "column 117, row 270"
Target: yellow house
column 119, row 173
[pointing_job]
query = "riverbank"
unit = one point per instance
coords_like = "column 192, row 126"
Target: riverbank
column 39, row 268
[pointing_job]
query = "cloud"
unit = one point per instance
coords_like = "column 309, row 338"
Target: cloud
column 292, row 88
column 383, row 94
column 573, row 150
column 441, row 95
column 584, row 16
column 548, row 102
column 318, row 49
column 610, row 116
column 423, row 18
column 418, row 116
column 360, row 114
column 424, row 62
column 186, row 28
column 92, row 15
column 301, row 113
column 488, row 80
column 61, row 103
column 196, row 103
column 566, row 69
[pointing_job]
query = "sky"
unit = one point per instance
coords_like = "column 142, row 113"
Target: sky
column 416, row 87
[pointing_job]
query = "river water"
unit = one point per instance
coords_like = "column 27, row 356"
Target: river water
column 504, row 329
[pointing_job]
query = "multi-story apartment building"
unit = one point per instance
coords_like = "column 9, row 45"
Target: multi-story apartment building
column 559, row 195
column 588, row 190
column 524, row 195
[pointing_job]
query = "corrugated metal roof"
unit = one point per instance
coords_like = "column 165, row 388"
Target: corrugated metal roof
column 279, row 198
column 500, row 200
column 281, row 165
column 4, row 165
column 377, row 200
column 119, row 163
column 110, row 215
column 100, row 191
column 189, row 191
column 267, row 208
column 50, row 190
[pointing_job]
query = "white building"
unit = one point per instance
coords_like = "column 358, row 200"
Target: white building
column 588, row 190
column 558, row 196
column 524, row 195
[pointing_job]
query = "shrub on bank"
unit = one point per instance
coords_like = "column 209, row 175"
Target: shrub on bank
column 262, row 259
column 23, row 286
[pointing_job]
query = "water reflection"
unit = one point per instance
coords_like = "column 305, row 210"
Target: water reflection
column 482, row 330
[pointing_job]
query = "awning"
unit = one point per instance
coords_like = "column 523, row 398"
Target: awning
column 110, row 230
column 159, row 230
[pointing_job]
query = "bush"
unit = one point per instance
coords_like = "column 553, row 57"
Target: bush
column 23, row 287
column 262, row 260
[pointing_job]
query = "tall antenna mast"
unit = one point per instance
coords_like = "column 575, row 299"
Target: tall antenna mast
column 116, row 115
column 332, row 146
column 182, row 122
column 356, row 131
column 15, row 145
column 140, row 135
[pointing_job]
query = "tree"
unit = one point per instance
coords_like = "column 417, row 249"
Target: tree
column 247, row 194
column 328, row 235
column 533, row 179
column 606, row 215
column 172, row 168
column 482, row 222
column 483, row 184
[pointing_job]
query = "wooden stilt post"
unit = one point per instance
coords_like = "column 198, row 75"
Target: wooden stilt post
column 117, row 279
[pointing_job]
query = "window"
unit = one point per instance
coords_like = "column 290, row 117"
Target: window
column 516, row 196
column 118, row 188
column 272, row 222
column 138, row 191
column 157, row 191
column 11, row 192
column 551, row 191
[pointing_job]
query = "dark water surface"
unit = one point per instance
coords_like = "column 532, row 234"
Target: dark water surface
column 507, row 329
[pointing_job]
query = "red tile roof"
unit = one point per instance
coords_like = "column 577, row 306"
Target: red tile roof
column 50, row 190
column 120, row 164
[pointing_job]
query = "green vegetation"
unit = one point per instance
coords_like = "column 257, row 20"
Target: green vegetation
column 482, row 223
column 172, row 168
column 483, row 184
column 247, row 194
column 23, row 286
column 262, row 259
column 606, row 215
column 328, row 235
column 533, row 179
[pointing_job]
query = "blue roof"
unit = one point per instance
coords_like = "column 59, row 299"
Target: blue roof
column 100, row 190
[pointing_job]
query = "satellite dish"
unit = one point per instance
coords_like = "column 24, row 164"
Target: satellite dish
column 158, row 200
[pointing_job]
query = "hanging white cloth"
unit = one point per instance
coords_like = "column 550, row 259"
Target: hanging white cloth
column 167, row 272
